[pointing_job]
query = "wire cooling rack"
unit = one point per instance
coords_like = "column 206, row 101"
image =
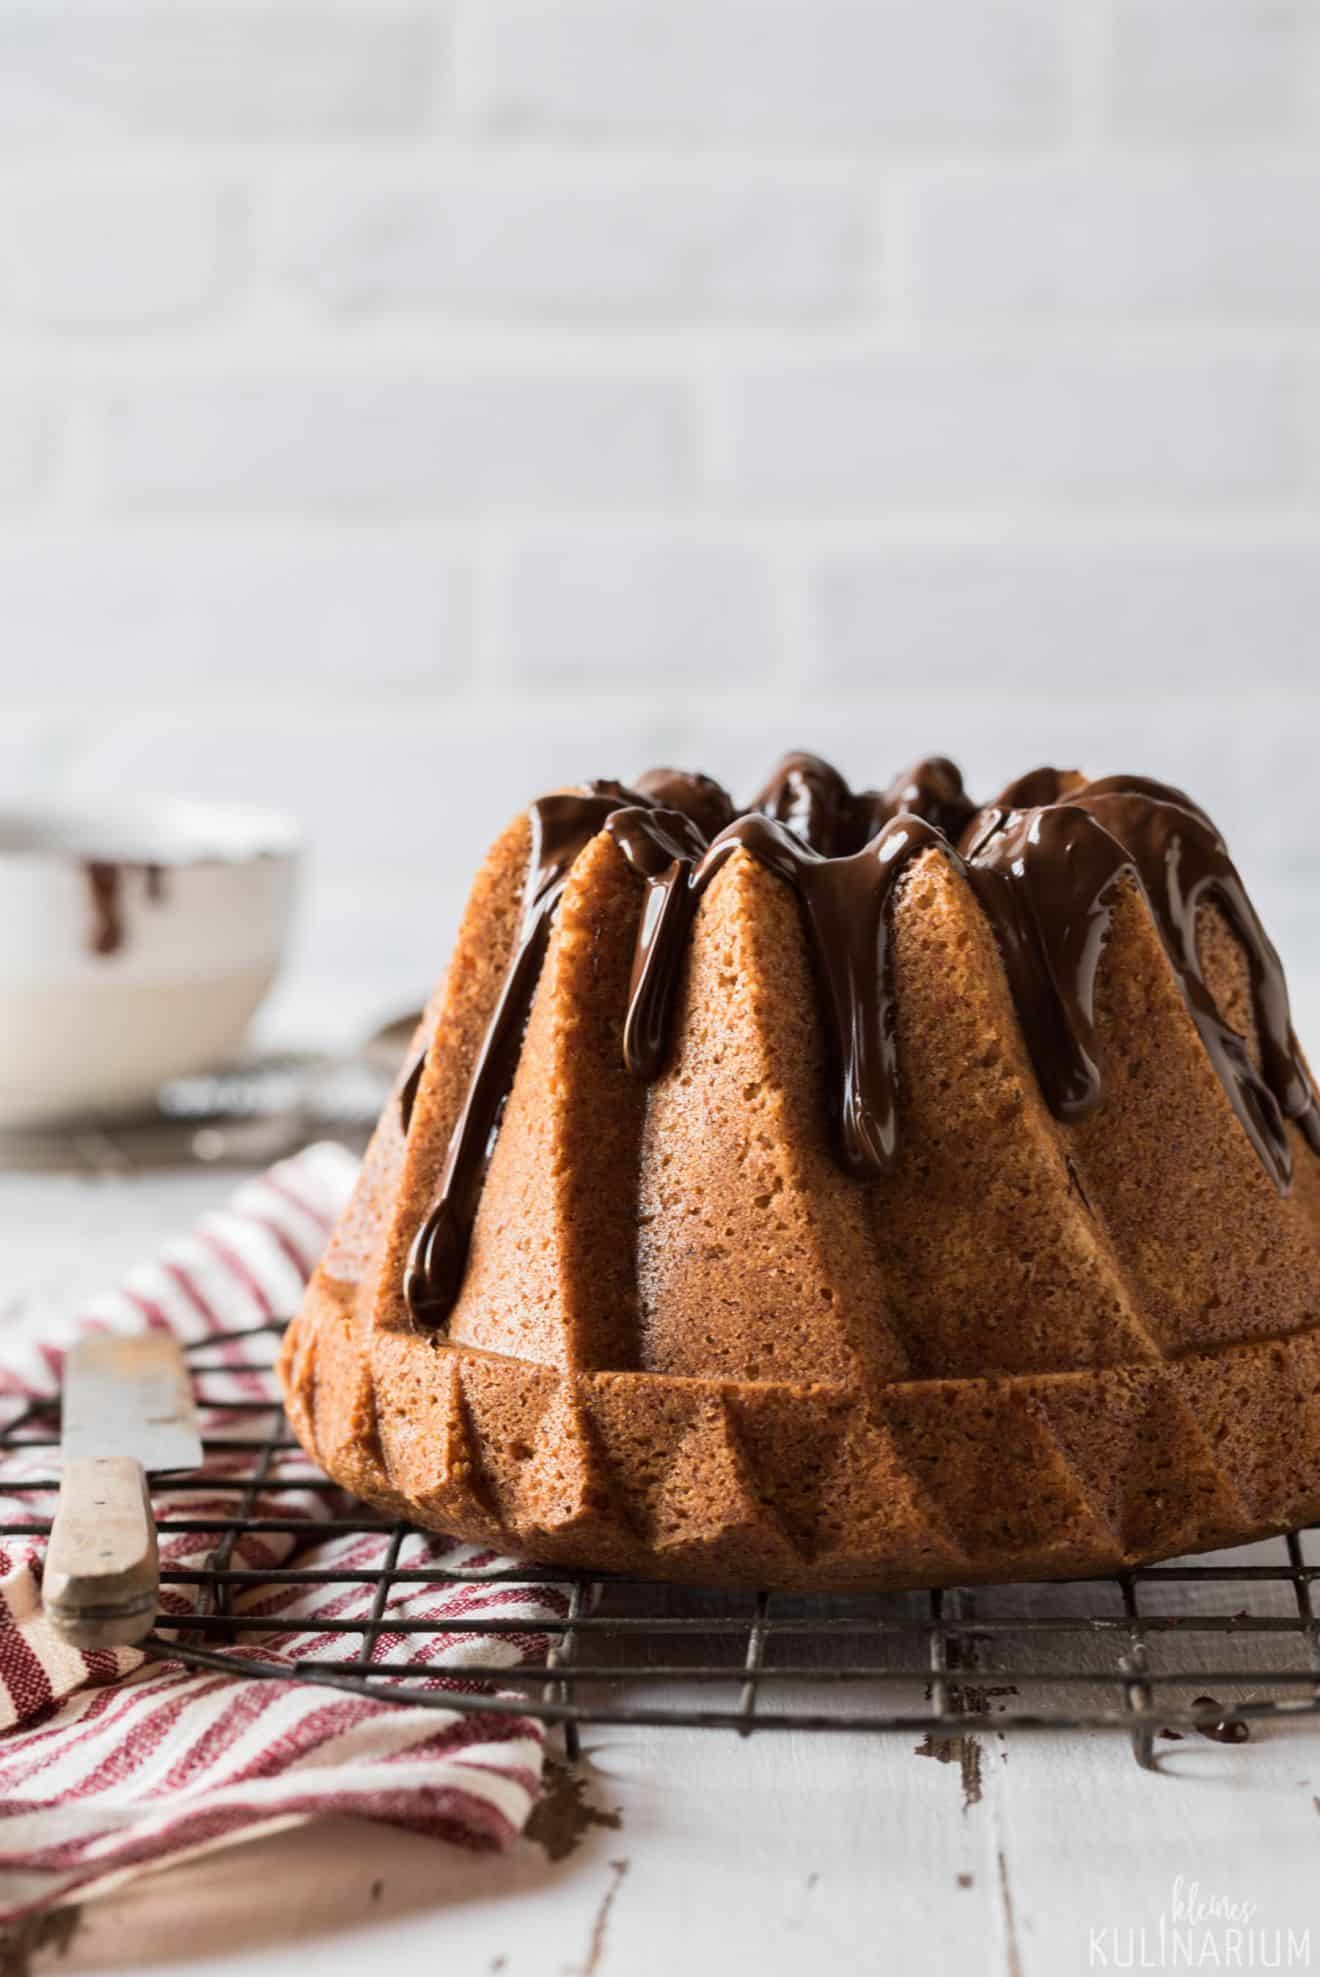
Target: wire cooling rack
column 1211, row 1647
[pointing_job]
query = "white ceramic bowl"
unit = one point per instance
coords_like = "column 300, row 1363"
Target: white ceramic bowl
column 135, row 945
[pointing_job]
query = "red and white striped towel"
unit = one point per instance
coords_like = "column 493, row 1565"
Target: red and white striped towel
column 110, row 1764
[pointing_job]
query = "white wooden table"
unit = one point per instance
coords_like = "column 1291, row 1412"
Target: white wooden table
column 778, row 1854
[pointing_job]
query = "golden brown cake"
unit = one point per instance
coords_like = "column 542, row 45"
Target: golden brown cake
column 864, row 1189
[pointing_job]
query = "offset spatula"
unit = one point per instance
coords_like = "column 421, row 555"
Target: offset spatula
column 128, row 1410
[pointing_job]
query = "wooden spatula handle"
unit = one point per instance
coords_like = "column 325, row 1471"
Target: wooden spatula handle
column 102, row 1572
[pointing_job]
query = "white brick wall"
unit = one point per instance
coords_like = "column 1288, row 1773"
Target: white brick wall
column 408, row 403
column 294, row 441
column 108, row 71
column 832, row 71
column 1149, row 240
column 528, row 239
column 921, row 428
column 99, row 251
column 1215, row 70
column 29, row 441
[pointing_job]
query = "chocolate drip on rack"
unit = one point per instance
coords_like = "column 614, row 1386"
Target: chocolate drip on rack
column 562, row 826
column 1044, row 861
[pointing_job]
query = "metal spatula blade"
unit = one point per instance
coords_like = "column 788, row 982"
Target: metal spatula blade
column 128, row 1410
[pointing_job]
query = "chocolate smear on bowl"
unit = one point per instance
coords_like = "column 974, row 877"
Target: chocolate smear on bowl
column 105, row 879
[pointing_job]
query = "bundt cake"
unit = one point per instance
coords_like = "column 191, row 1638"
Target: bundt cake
column 861, row 1189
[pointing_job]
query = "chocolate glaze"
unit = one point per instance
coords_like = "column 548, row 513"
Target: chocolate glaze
column 408, row 1093
column 932, row 789
column 700, row 798
column 1044, row 861
column 562, row 826
column 815, row 803
column 105, row 889
column 1047, row 880
column 844, row 902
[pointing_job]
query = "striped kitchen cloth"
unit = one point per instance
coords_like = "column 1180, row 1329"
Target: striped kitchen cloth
column 112, row 1764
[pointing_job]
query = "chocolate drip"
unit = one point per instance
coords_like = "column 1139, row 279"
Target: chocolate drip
column 814, row 802
column 845, row 907
column 408, row 1093
column 664, row 846
column 703, row 801
column 1032, row 791
column 1046, row 879
column 1044, row 862
column 932, row 789
column 105, row 888
column 1143, row 786
column 562, row 826
column 1183, row 865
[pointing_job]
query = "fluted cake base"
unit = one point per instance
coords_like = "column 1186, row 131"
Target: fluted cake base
column 807, row 1487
